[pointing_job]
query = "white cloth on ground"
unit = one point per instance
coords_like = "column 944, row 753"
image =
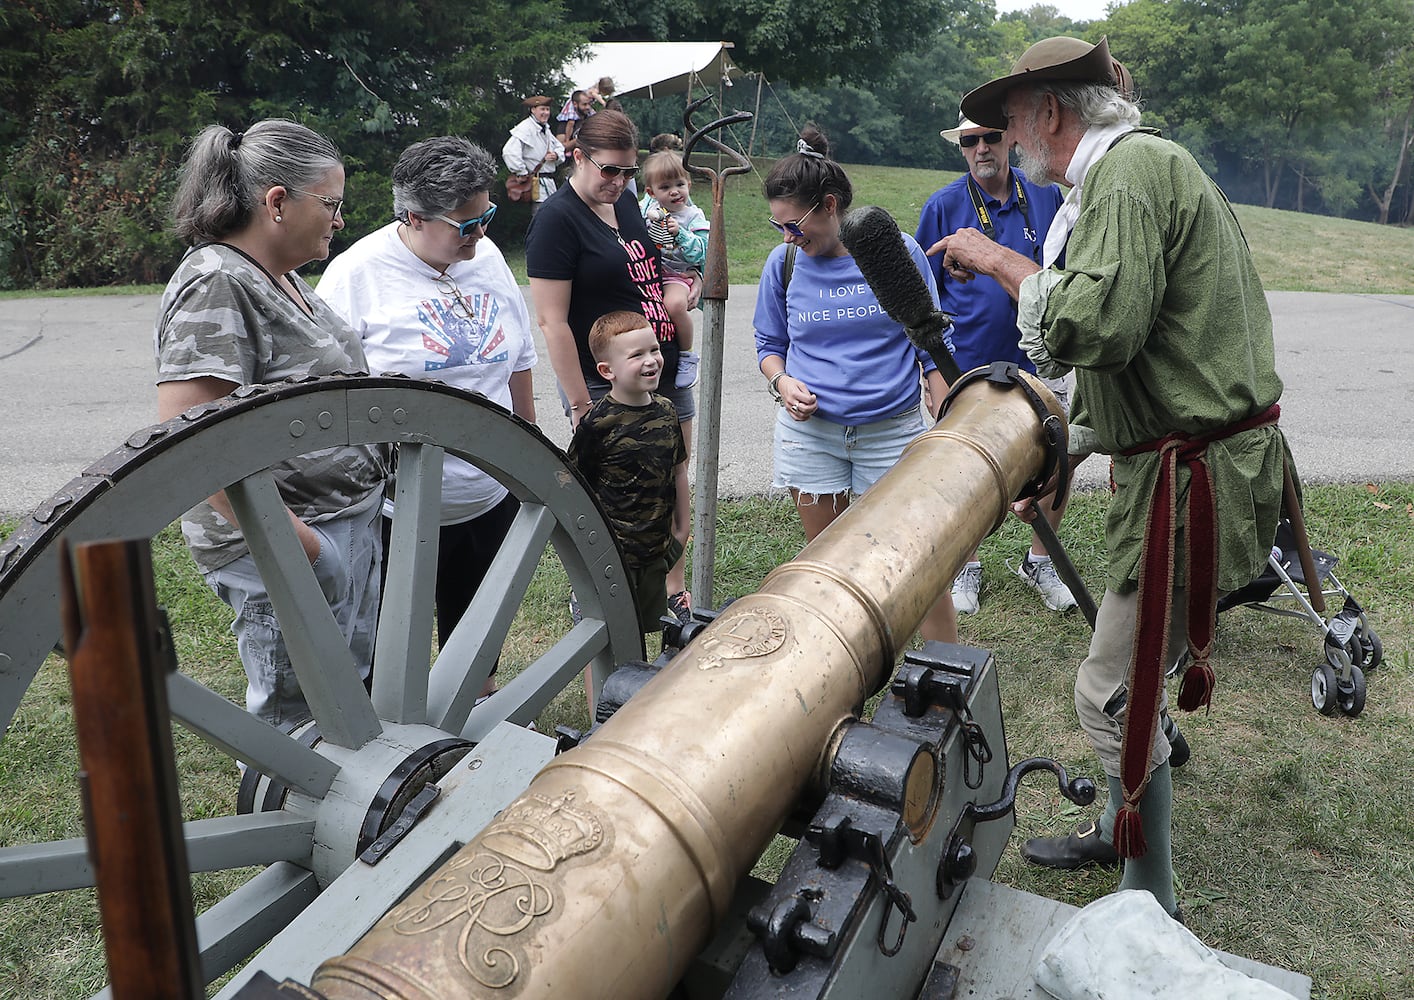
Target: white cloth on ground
column 1125, row 945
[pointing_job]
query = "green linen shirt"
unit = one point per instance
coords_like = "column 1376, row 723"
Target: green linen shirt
column 1161, row 313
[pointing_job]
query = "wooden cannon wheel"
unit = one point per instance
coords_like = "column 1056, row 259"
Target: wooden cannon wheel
column 374, row 750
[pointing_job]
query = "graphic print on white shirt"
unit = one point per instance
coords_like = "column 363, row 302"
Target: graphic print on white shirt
column 463, row 333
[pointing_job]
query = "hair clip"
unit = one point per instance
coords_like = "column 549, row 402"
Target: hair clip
column 803, row 147
column 236, row 141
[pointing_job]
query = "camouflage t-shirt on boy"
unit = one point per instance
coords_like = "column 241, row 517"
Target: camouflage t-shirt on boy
column 629, row 455
column 223, row 316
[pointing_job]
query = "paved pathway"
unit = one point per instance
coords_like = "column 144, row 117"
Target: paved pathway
column 76, row 379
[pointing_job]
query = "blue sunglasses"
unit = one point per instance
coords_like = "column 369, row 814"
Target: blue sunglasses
column 464, row 228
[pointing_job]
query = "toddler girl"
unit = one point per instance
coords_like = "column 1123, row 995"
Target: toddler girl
column 680, row 229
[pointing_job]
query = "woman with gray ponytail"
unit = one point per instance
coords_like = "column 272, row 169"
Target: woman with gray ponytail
column 253, row 207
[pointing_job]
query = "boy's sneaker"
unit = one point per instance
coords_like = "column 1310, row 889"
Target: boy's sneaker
column 575, row 616
column 680, row 604
column 687, row 369
column 967, row 589
column 1041, row 575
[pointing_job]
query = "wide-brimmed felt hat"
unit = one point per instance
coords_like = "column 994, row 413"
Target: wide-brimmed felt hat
column 538, row 101
column 1054, row 60
column 963, row 124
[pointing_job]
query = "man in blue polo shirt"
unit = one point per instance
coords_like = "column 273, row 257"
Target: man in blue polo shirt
column 997, row 199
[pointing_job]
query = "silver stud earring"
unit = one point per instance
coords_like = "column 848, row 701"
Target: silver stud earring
column 279, row 218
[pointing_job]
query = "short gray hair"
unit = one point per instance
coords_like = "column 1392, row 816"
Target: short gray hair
column 434, row 176
column 1097, row 105
column 226, row 174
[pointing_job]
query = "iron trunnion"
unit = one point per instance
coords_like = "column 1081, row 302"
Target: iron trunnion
column 866, row 896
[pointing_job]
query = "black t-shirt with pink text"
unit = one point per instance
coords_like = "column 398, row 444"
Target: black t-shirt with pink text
column 568, row 242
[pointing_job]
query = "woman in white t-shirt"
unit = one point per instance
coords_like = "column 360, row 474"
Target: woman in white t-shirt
column 432, row 297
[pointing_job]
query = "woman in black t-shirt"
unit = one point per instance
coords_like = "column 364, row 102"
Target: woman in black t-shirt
column 588, row 253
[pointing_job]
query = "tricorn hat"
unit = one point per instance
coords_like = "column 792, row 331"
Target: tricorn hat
column 1060, row 59
column 538, row 101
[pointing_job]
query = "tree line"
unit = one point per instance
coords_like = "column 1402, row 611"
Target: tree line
column 1292, row 104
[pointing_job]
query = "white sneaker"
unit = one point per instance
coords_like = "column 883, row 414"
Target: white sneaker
column 1043, row 577
column 967, row 589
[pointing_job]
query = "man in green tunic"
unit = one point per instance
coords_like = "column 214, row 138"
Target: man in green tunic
column 1147, row 290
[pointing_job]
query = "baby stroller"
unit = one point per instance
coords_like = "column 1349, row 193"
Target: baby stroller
column 1350, row 645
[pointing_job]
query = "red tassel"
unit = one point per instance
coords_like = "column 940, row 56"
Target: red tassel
column 1197, row 689
column 1129, row 833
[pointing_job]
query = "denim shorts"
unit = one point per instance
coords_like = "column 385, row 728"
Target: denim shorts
column 818, row 457
column 683, row 400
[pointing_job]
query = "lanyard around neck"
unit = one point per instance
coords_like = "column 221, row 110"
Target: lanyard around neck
column 984, row 216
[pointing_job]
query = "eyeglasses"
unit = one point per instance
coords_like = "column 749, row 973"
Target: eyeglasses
column 793, row 228
column 334, row 205
column 613, row 169
column 968, row 141
column 464, row 228
column 448, row 287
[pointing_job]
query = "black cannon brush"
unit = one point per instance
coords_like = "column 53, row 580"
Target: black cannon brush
column 873, row 239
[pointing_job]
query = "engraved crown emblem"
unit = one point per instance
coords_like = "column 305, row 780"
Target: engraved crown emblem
column 540, row 832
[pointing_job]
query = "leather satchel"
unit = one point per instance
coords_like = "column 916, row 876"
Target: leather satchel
column 521, row 187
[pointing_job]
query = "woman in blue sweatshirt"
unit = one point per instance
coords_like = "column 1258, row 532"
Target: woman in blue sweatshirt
column 845, row 374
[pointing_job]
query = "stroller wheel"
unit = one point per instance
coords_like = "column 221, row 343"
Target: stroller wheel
column 1351, row 695
column 1324, row 689
column 1374, row 649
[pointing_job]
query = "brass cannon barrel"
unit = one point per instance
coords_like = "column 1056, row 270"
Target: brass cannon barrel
column 609, row 873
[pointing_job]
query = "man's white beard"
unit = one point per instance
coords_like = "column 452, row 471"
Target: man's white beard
column 1037, row 167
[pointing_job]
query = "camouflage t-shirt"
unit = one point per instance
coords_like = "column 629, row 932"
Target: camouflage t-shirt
column 629, row 454
column 223, row 316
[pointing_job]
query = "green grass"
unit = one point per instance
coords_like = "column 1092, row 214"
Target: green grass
column 1293, row 251
column 1294, row 833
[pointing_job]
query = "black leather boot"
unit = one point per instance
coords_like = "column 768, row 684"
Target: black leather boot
column 1081, row 849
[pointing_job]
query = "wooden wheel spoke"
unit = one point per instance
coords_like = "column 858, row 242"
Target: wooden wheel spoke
column 246, row 738
column 524, row 698
column 474, row 645
column 212, row 845
column 318, row 650
column 400, row 664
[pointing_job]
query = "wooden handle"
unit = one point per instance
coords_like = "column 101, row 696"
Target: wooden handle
column 118, row 655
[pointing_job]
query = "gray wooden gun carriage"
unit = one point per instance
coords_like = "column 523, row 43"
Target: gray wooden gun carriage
column 414, row 843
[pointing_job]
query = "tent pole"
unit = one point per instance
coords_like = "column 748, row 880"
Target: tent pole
column 756, row 115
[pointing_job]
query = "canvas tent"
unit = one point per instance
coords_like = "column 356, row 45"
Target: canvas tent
column 653, row 69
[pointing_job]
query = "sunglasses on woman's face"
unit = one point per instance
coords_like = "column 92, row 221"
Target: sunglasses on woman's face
column 792, row 228
column 464, row 229
column 968, row 141
column 612, row 170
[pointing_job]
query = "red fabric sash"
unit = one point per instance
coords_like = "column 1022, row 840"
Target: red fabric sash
column 1151, row 633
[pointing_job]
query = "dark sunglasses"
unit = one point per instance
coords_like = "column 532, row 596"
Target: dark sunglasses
column 612, row 170
column 464, row 228
column 792, row 228
column 968, row 141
